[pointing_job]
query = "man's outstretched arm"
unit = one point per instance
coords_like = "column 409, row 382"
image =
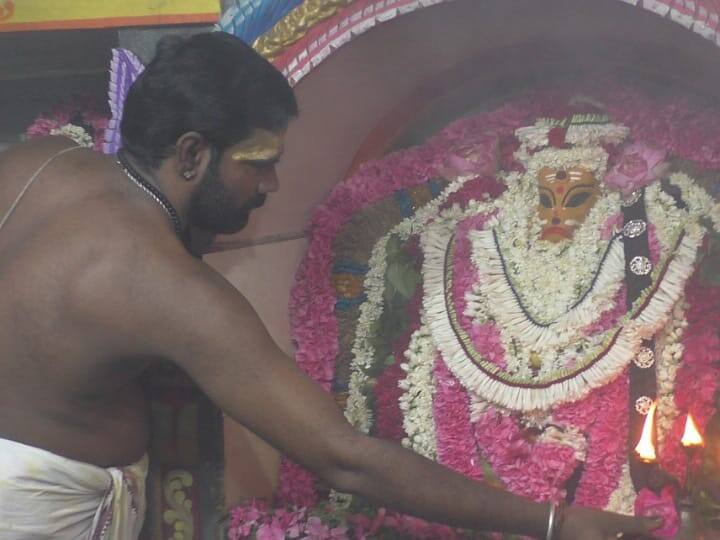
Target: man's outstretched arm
column 181, row 309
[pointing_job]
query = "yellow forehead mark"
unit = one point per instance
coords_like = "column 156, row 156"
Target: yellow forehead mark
column 262, row 145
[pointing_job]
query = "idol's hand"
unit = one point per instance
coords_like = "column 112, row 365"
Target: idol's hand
column 588, row 524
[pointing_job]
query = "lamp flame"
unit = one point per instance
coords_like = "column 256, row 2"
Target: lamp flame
column 645, row 448
column 692, row 436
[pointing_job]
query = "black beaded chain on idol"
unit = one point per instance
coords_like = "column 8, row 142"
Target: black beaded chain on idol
column 152, row 191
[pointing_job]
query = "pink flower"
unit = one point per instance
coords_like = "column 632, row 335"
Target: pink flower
column 480, row 159
column 271, row 531
column 637, row 166
column 648, row 504
column 317, row 530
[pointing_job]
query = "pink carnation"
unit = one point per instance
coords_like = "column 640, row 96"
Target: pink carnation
column 480, row 159
column 637, row 166
column 648, row 504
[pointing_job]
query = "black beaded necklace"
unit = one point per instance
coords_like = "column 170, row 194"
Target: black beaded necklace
column 151, row 191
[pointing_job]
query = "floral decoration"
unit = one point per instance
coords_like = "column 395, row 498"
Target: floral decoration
column 649, row 504
column 404, row 386
column 82, row 122
column 637, row 166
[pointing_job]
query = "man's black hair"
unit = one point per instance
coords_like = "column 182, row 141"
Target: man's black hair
column 212, row 83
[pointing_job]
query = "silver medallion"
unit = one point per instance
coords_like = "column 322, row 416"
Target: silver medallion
column 632, row 199
column 640, row 265
column 634, row 228
column 645, row 358
column 643, row 404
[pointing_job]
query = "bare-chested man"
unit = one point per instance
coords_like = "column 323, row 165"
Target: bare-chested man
column 97, row 286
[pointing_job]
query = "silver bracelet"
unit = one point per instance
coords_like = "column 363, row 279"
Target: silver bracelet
column 551, row 521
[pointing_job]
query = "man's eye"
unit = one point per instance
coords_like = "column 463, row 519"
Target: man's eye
column 545, row 201
column 577, row 200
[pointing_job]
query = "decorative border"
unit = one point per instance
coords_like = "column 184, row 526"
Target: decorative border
column 305, row 46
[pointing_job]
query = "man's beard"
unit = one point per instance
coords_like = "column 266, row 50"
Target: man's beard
column 211, row 209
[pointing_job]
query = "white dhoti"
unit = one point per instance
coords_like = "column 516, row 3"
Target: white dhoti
column 43, row 496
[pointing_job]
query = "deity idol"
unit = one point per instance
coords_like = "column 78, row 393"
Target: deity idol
column 552, row 318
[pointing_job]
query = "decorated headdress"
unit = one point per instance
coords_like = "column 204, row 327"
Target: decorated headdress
column 579, row 129
column 580, row 139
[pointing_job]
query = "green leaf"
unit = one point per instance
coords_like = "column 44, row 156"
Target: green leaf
column 402, row 278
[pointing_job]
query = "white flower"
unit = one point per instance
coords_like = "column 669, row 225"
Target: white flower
column 76, row 133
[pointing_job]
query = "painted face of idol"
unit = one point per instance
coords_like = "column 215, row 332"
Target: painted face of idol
column 566, row 198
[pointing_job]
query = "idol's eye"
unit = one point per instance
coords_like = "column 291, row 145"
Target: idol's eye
column 578, row 199
column 545, row 201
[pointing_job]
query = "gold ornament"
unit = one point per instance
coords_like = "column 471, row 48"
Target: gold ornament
column 295, row 25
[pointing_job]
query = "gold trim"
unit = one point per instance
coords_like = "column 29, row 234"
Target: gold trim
column 179, row 516
column 295, row 25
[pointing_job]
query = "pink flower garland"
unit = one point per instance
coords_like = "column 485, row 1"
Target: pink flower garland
column 532, row 469
column 454, row 432
column 698, row 378
column 603, row 418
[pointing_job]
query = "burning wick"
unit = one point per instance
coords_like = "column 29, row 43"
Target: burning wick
column 645, row 449
column 691, row 437
column 692, row 442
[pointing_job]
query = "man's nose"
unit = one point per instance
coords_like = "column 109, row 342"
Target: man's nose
column 270, row 183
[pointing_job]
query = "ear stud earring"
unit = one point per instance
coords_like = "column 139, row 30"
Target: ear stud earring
column 188, row 174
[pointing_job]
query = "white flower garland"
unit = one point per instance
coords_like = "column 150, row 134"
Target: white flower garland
column 518, row 393
column 75, row 133
column 668, row 356
column 622, row 500
column 505, row 308
column 418, row 387
column 363, row 353
column 699, row 203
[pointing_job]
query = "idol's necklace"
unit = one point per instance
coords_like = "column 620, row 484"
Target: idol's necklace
column 151, row 191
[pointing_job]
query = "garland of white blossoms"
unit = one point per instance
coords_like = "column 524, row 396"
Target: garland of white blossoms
column 512, row 287
column 622, row 500
column 363, row 353
column 75, row 133
column 416, row 401
column 668, row 354
column 529, row 261
column 587, row 260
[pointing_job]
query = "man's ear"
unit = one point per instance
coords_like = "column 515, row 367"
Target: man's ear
column 194, row 154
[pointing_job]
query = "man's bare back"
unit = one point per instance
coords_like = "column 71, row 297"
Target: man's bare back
column 67, row 386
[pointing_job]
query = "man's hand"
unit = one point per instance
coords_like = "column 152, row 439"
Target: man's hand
column 588, row 524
